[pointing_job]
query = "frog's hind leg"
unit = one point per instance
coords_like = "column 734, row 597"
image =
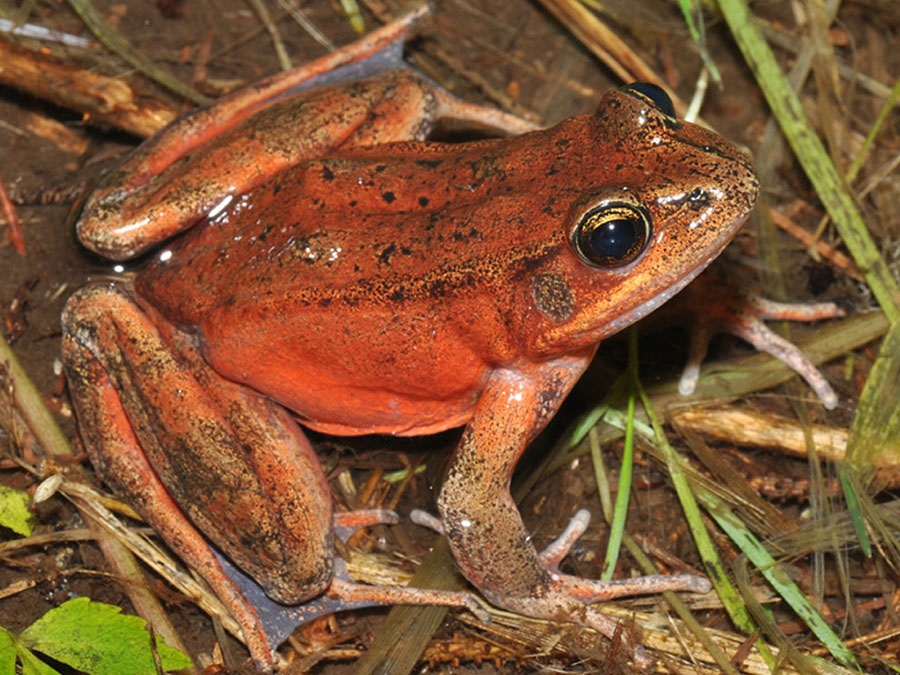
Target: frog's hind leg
column 116, row 451
column 202, row 457
column 239, row 467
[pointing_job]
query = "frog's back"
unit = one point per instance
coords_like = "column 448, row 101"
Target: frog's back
column 385, row 279
column 395, row 230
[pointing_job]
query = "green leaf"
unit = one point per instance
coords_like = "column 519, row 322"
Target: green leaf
column 14, row 512
column 7, row 654
column 11, row 647
column 96, row 638
column 32, row 665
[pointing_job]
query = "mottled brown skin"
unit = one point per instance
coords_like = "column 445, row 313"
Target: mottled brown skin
column 402, row 288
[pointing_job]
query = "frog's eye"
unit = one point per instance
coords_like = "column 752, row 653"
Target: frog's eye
column 650, row 93
column 612, row 234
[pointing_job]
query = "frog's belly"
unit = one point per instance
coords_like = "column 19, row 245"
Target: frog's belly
column 352, row 412
column 374, row 375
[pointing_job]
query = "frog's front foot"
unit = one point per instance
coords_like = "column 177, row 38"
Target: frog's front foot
column 589, row 590
column 565, row 597
column 716, row 304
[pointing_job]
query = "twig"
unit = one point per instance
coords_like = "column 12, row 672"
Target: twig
column 12, row 220
column 106, row 100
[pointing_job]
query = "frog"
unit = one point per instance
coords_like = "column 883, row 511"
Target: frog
column 317, row 261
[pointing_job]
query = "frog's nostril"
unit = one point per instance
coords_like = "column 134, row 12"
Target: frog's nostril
column 698, row 199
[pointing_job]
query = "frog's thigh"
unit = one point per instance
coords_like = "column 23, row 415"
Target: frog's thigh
column 240, row 468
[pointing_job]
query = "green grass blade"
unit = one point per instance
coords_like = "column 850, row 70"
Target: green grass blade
column 875, row 433
column 623, row 496
column 747, row 542
column 812, row 155
column 775, row 575
column 848, row 487
column 863, row 153
column 692, row 9
column 728, row 594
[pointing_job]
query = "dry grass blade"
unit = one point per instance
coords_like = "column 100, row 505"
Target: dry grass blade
column 793, row 45
column 118, row 44
column 762, row 430
column 806, row 238
column 263, row 13
column 812, row 156
column 606, row 45
column 297, row 14
column 680, row 650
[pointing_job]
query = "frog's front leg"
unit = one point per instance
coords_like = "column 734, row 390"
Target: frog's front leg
column 205, row 459
column 481, row 521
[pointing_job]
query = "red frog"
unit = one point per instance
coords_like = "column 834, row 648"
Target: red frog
column 340, row 271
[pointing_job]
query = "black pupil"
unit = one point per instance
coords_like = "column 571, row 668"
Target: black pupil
column 614, row 239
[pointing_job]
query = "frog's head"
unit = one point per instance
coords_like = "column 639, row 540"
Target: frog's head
column 664, row 198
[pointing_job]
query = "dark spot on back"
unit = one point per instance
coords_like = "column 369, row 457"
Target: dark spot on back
column 386, row 253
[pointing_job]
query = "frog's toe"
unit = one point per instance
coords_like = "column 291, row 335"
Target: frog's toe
column 425, row 519
column 595, row 590
column 351, row 594
column 348, row 522
column 559, row 549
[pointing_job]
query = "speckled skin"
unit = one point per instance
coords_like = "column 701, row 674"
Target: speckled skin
column 403, row 288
